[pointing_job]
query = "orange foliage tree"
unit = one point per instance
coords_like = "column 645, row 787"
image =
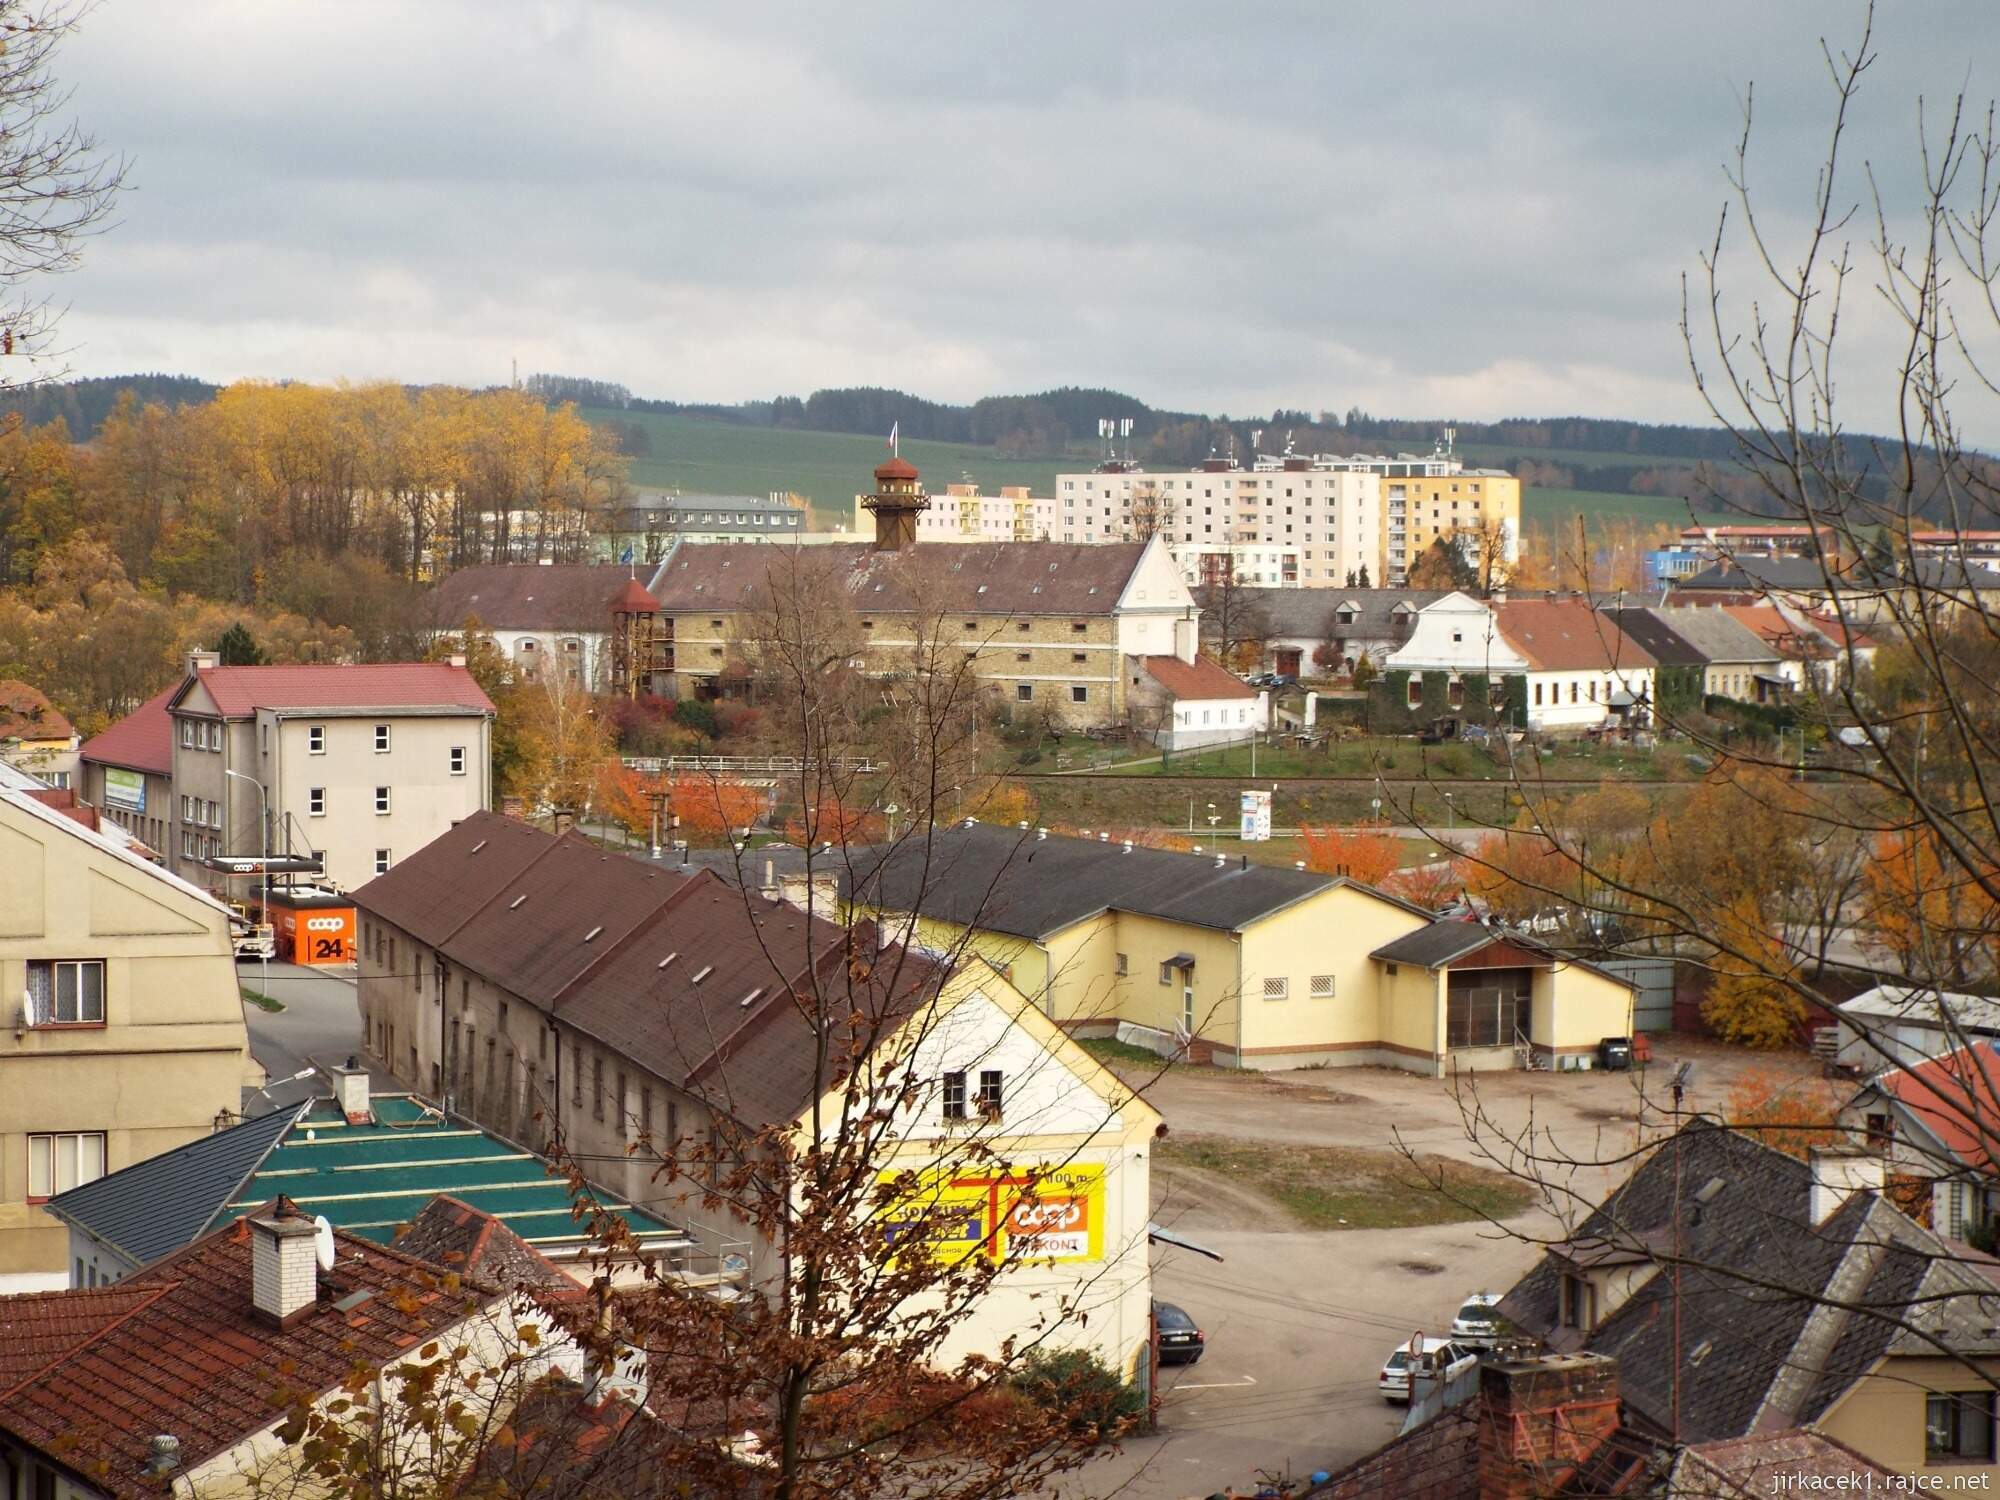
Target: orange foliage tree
column 1789, row 1114
column 1367, row 854
column 712, row 807
column 1932, row 913
column 1433, row 884
column 834, row 821
column 1517, row 874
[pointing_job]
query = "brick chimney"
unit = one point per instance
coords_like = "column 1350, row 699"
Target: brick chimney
column 196, row 660
column 284, row 1265
column 1541, row 1419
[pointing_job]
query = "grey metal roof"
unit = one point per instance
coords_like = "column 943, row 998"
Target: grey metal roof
column 1012, row 880
column 1694, row 636
column 157, row 1205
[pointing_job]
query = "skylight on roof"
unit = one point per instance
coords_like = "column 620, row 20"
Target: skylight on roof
column 700, row 974
column 1710, row 1188
column 478, row 846
column 749, row 999
column 591, row 935
column 517, row 900
column 668, row 959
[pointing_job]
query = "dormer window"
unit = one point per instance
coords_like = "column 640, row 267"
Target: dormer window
column 1577, row 1302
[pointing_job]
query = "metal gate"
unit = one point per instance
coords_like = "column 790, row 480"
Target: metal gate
column 1653, row 1005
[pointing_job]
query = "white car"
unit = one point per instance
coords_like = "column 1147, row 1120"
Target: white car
column 1444, row 1359
column 1479, row 1324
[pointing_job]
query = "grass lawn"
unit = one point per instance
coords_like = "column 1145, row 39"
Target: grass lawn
column 1405, row 760
column 260, row 1000
column 1343, row 1187
column 1541, row 506
column 1114, row 1053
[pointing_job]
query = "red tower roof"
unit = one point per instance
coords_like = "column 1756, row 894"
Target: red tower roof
column 634, row 600
column 898, row 467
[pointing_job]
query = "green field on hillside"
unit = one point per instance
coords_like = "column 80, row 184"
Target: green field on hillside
column 1541, row 506
column 701, row 455
column 1495, row 455
column 704, row 456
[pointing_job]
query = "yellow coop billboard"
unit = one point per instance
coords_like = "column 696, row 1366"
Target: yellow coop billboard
column 1047, row 1214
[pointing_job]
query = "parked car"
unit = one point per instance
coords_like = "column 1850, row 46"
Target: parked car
column 1479, row 1324
column 1283, row 680
column 1440, row 1359
column 1181, row 1342
column 1263, row 680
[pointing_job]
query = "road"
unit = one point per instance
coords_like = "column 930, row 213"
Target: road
column 319, row 1026
column 1299, row 1321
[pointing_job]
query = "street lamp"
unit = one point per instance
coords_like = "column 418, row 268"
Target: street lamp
column 891, row 810
column 1214, row 817
column 1450, row 813
column 264, row 910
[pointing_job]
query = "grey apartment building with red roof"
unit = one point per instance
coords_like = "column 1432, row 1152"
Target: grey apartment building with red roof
column 360, row 763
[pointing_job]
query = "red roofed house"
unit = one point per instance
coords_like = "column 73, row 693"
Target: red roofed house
column 362, row 763
column 127, row 772
column 175, row 1381
column 1581, row 670
column 34, row 736
column 1938, row 1123
column 1200, row 702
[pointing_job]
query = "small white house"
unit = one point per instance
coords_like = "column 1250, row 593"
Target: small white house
column 1900, row 1026
column 1581, row 670
column 1187, row 703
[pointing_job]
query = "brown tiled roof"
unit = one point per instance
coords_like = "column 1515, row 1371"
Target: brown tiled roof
column 1197, row 680
column 1005, row 578
column 683, row 973
column 569, row 1446
column 141, row 741
column 452, row 1233
column 240, row 691
column 1781, row 632
column 525, row 596
column 1770, row 1463
column 178, row 1348
column 26, row 714
column 483, row 852
column 1557, row 635
column 39, row 1328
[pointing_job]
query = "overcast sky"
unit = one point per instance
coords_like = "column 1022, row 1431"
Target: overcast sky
column 1427, row 209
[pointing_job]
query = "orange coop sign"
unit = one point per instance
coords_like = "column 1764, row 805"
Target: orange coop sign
column 313, row 934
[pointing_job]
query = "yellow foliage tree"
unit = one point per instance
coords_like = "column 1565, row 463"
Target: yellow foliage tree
column 1751, row 1002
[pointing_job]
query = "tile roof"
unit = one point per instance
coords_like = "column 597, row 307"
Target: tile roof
column 141, row 741
column 677, row 970
column 1954, row 1098
column 1011, row 880
column 452, row 1233
column 1772, row 1463
column 1199, row 680
column 1558, row 635
column 1312, row 614
column 240, row 691
column 1008, row 578
column 39, row 1328
column 1691, row 635
column 570, row 1446
column 372, row 1179
column 178, row 1348
column 1788, row 637
column 573, row 597
column 1773, row 1307
column 27, row 714
column 155, row 1206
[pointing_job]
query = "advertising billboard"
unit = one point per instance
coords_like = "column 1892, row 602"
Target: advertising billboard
column 1055, row 1215
column 1256, row 817
column 126, row 789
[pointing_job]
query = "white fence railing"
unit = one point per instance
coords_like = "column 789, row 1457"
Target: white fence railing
column 654, row 765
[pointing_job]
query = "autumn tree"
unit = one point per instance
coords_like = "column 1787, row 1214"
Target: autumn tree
column 1367, row 854
column 1787, row 1112
column 564, row 742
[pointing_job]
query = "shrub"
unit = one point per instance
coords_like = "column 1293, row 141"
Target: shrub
column 735, row 720
column 1079, row 1386
column 696, row 715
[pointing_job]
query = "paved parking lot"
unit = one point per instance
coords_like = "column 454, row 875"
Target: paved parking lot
column 1299, row 1322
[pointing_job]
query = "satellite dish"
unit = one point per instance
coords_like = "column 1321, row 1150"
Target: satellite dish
column 323, row 1241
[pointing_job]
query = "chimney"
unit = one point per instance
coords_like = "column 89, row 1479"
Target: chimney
column 1541, row 1419
column 284, row 1265
column 1838, row 1173
column 457, row 658
column 196, row 660
column 350, row 1090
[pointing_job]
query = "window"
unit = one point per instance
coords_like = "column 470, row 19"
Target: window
column 458, row 760
column 1166, row 973
column 1538, row 695
column 1572, row 692
column 1415, row 697
column 187, row 808
column 315, row 739
column 1120, row 966
column 954, row 1096
column 57, row 1163
column 187, row 734
column 1277, row 989
column 66, row 992
column 316, row 801
column 989, row 1093
column 381, row 739
column 1492, row 1015
column 618, row 1103
column 1024, row 656
column 215, row 736
column 1577, row 1304
column 1080, row 626
column 381, row 799
column 1079, row 693
column 1079, row 656
column 1958, row 1426
column 597, row 1087
column 646, row 1110
column 1322, row 986
column 1024, row 692
column 1881, row 1131
column 381, row 861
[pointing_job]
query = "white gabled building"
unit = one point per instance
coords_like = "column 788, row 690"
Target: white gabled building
column 1580, row 670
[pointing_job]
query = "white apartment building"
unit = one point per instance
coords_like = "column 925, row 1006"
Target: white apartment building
column 1332, row 516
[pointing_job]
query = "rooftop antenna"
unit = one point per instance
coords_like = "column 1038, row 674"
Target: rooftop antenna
column 1256, row 440
column 1450, row 438
column 1126, row 428
column 1288, row 442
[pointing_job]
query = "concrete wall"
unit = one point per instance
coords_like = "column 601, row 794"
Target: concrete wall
column 170, row 1055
